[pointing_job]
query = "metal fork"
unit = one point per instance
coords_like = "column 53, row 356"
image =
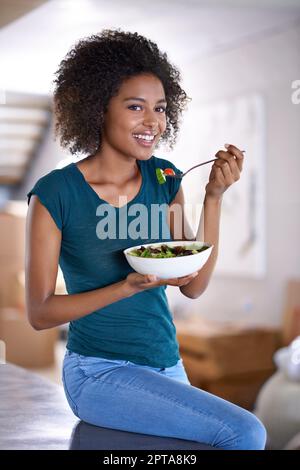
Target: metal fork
column 181, row 175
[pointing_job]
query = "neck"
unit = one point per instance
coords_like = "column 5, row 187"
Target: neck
column 112, row 168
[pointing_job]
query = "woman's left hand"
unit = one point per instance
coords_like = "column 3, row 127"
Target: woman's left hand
column 225, row 171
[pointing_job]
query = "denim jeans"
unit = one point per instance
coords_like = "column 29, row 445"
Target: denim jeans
column 120, row 394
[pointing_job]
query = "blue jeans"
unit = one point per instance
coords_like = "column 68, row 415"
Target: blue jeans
column 122, row 395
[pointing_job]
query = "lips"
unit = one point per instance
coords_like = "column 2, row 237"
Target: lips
column 145, row 139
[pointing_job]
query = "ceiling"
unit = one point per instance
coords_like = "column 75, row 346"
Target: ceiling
column 35, row 35
column 23, row 117
column 32, row 46
column 11, row 10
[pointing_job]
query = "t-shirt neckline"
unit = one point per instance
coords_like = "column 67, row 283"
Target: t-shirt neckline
column 91, row 190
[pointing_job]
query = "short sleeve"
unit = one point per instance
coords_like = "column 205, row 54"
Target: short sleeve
column 173, row 183
column 48, row 189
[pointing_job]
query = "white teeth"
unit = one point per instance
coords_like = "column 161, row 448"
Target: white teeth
column 144, row 137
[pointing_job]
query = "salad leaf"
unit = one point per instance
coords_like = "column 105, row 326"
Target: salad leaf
column 166, row 251
column 160, row 176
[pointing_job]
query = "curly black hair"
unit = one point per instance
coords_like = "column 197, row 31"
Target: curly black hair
column 93, row 71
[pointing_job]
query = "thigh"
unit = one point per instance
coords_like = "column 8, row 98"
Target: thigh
column 119, row 395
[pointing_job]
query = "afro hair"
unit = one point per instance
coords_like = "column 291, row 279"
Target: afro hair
column 92, row 73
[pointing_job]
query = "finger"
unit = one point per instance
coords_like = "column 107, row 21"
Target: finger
column 237, row 153
column 149, row 278
column 177, row 281
column 228, row 178
column 234, row 150
column 227, row 175
column 232, row 162
column 192, row 275
column 219, row 177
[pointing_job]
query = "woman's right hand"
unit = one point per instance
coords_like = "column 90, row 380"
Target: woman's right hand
column 136, row 282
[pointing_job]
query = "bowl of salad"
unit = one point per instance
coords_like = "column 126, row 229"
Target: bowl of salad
column 170, row 259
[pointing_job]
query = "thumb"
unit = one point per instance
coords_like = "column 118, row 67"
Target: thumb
column 151, row 278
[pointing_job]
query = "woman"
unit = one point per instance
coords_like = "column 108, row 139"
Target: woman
column 116, row 97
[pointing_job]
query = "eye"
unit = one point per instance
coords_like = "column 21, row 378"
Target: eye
column 132, row 106
column 137, row 107
column 162, row 109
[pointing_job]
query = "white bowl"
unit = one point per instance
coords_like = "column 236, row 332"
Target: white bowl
column 167, row 268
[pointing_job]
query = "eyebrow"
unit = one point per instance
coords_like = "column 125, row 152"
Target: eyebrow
column 143, row 100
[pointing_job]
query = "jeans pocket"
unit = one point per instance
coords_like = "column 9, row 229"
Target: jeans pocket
column 96, row 366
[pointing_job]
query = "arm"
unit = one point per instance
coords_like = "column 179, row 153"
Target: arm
column 44, row 308
column 208, row 231
column 225, row 171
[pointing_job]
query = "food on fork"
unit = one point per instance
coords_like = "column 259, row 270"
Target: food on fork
column 161, row 174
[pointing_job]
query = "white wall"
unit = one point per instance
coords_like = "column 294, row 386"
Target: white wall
column 268, row 66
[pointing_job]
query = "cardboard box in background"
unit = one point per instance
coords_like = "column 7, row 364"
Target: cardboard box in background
column 12, row 291
column 12, row 250
column 227, row 350
column 241, row 389
column 12, row 256
column 12, row 288
column 12, row 231
column 231, row 361
column 25, row 346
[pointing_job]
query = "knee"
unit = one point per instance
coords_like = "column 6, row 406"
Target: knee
column 252, row 434
column 243, row 432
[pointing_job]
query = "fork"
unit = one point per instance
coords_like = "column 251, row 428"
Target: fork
column 181, row 175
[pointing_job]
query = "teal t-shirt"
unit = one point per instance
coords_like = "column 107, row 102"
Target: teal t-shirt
column 140, row 328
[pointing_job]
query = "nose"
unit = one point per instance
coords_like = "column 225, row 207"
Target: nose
column 150, row 119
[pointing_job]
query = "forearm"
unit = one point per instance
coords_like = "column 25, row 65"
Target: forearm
column 59, row 309
column 208, row 231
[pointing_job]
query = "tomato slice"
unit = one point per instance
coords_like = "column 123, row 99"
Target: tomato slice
column 169, row 171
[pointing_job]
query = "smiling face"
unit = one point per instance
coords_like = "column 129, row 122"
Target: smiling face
column 136, row 117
